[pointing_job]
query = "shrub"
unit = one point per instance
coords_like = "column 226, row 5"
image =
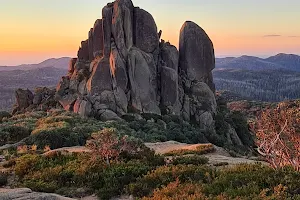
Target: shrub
column 190, row 160
column 162, row 176
column 177, row 191
column 250, row 180
column 199, row 150
column 13, row 134
column 4, row 114
column 3, row 179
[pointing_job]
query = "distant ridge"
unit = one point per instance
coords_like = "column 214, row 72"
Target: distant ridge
column 279, row 61
column 60, row 63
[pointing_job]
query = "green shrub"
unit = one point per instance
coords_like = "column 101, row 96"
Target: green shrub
column 3, row 179
column 162, row 176
column 190, row 160
column 4, row 114
column 13, row 134
column 198, row 150
column 250, row 180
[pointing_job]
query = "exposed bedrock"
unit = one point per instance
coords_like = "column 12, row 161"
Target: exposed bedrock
column 123, row 67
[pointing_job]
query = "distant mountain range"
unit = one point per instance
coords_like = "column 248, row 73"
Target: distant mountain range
column 60, row 63
column 279, row 61
column 273, row 79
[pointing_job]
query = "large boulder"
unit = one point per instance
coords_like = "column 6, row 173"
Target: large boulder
column 24, row 98
column 145, row 31
column 196, row 53
column 203, row 97
column 67, row 101
column 108, row 115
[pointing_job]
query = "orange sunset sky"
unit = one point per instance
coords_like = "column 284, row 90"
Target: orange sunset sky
column 34, row 30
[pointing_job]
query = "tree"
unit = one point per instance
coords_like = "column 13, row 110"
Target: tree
column 278, row 135
column 106, row 145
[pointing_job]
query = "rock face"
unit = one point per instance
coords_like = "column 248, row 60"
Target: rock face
column 124, row 68
column 41, row 99
column 25, row 193
column 196, row 53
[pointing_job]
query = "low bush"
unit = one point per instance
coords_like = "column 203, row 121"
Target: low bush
column 190, row 160
column 177, row 191
column 199, row 150
column 162, row 176
column 3, row 179
column 4, row 114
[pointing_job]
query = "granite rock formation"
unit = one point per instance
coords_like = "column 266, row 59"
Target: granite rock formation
column 124, row 67
column 41, row 99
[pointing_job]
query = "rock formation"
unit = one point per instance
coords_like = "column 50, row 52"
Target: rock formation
column 123, row 67
column 41, row 99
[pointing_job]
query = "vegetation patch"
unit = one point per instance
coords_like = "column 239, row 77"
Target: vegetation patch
column 201, row 149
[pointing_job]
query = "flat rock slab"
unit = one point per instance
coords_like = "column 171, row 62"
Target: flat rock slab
column 219, row 156
column 28, row 194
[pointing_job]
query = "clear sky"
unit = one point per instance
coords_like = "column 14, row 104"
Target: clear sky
column 34, row 30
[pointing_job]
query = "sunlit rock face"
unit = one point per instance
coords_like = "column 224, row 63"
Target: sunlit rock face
column 124, row 67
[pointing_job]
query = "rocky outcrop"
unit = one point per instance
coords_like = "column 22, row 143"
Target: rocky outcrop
column 196, row 54
column 41, row 99
column 124, row 68
column 25, row 193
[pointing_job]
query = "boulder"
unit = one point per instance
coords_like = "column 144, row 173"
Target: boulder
column 206, row 121
column 203, row 97
column 24, row 98
column 107, row 97
column 108, row 115
column 232, row 136
column 145, row 31
column 63, row 85
column 196, row 53
column 67, row 101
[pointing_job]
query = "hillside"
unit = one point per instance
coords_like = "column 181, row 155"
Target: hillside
column 12, row 80
column 59, row 63
column 280, row 61
column 264, row 85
